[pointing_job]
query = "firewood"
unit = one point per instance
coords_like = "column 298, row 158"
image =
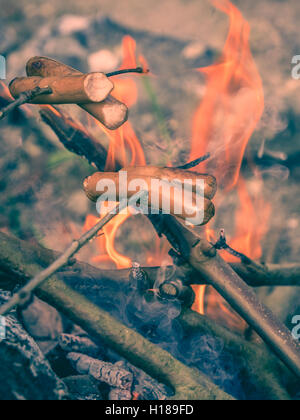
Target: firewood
column 175, row 289
column 188, row 383
column 25, row 372
column 101, row 371
column 203, row 257
column 73, row 89
column 117, row 394
column 90, row 188
column 111, row 112
column 20, row 260
column 265, row 377
column 75, row 344
column 82, row 388
column 145, row 388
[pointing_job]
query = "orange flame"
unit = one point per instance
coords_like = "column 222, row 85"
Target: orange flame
column 4, row 91
column 233, row 102
column 124, row 148
column 124, row 141
column 223, row 124
column 105, row 243
column 251, row 220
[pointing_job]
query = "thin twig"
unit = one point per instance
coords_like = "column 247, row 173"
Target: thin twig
column 24, row 98
column 139, row 70
column 222, row 245
column 194, row 163
column 24, row 294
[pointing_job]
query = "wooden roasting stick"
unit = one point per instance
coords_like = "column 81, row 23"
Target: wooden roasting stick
column 74, row 89
column 148, row 174
column 111, row 112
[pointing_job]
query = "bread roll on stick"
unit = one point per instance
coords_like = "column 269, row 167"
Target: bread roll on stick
column 73, row 89
column 111, row 112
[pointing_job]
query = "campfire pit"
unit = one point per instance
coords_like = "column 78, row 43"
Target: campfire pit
column 141, row 332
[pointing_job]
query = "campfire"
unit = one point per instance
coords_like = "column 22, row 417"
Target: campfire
column 167, row 303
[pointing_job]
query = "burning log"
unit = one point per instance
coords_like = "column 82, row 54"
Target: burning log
column 82, row 388
column 101, row 371
column 20, row 261
column 175, row 289
column 150, row 174
column 120, row 395
column 187, row 383
column 203, row 258
column 25, row 372
column 264, row 275
column 111, row 112
column 271, row 275
column 145, row 388
column 75, row 344
column 73, row 89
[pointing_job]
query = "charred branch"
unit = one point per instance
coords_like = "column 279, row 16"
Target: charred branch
column 25, row 372
column 10, row 274
column 75, row 344
column 109, row 373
